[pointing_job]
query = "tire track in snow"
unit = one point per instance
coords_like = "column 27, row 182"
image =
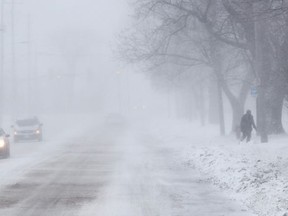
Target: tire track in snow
column 62, row 185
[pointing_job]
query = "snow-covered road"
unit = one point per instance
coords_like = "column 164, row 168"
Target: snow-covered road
column 107, row 174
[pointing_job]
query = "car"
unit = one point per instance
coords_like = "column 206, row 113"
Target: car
column 27, row 129
column 4, row 144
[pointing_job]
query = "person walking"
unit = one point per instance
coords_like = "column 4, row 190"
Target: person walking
column 247, row 124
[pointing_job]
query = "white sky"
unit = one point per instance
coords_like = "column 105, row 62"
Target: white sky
column 96, row 22
column 49, row 17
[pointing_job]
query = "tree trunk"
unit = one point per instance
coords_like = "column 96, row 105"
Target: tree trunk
column 263, row 68
column 238, row 110
column 200, row 99
column 221, row 110
column 213, row 101
column 237, row 103
column 276, row 124
column 274, row 115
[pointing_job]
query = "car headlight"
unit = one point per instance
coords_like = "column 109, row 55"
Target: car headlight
column 15, row 133
column 37, row 131
column 2, row 143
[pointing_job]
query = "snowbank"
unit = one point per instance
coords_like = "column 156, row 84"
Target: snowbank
column 253, row 173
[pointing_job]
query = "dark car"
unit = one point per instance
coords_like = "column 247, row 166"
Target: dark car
column 27, row 129
column 4, row 144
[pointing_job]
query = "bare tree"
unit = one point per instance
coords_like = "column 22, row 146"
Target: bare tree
column 180, row 32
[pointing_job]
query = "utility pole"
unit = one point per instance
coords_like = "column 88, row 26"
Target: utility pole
column 13, row 35
column 2, row 51
column 14, row 78
column 28, row 42
column 29, row 65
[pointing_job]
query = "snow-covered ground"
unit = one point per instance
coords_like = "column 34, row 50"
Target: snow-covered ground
column 151, row 170
column 253, row 173
column 150, row 179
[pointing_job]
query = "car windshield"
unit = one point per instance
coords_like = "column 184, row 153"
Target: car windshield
column 27, row 122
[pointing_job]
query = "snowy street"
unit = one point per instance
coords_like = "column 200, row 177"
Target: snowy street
column 143, row 108
column 107, row 174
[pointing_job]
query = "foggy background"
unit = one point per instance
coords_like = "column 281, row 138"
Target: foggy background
column 139, row 104
column 75, row 57
column 58, row 58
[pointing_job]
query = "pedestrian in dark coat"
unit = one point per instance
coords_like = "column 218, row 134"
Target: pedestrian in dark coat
column 247, row 123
